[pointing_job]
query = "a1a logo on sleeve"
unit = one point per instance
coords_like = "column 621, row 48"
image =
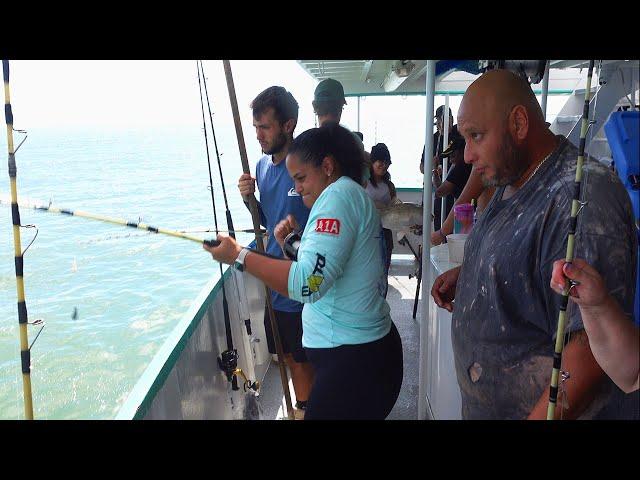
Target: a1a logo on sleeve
column 328, row 225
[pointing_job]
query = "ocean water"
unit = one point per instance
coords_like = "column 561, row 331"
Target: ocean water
column 128, row 287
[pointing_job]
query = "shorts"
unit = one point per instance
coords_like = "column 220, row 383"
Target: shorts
column 356, row 382
column 290, row 330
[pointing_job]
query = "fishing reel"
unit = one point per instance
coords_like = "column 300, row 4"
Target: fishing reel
column 291, row 246
column 248, row 384
column 228, row 363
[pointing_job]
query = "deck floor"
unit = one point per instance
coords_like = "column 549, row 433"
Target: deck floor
column 401, row 298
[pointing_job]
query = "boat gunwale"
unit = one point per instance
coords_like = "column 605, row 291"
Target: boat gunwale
column 152, row 380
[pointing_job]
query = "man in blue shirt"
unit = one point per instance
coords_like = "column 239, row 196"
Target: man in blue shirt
column 275, row 114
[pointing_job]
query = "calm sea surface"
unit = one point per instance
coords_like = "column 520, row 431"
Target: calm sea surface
column 128, row 288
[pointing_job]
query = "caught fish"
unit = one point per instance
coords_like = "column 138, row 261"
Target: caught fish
column 401, row 216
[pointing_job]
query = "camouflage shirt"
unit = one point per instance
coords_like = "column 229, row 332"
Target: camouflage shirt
column 505, row 316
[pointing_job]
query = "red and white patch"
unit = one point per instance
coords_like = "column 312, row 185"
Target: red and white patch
column 328, row 225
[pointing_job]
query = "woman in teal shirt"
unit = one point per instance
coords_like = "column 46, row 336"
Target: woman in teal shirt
column 339, row 275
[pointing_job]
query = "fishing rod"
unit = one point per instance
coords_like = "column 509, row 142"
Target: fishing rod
column 111, row 237
column 246, row 230
column 253, row 207
column 247, row 319
column 123, row 222
column 25, row 349
column 228, row 360
column 576, row 206
column 215, row 144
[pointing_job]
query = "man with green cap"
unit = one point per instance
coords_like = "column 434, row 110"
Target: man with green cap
column 328, row 101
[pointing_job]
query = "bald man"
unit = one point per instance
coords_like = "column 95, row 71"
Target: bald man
column 505, row 314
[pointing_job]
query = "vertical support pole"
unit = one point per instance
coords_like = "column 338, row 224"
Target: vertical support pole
column 633, row 88
column 445, row 161
column 427, row 227
column 358, row 124
column 545, row 91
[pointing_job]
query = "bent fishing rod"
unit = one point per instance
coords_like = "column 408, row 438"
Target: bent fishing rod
column 194, row 230
column 25, row 349
column 247, row 319
column 228, row 360
column 575, row 209
column 123, row 222
column 253, row 207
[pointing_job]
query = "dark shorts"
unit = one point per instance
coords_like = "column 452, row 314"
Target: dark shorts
column 290, row 330
column 356, row 382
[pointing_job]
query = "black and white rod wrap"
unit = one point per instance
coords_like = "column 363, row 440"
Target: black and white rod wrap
column 25, row 353
column 575, row 208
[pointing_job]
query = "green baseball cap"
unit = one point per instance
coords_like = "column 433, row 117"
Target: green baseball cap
column 329, row 90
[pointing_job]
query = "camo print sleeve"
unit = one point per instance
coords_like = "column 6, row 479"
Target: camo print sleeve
column 326, row 245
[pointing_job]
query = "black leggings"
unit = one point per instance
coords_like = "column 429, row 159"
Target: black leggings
column 356, row 382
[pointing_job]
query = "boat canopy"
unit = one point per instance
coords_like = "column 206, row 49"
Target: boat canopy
column 407, row 77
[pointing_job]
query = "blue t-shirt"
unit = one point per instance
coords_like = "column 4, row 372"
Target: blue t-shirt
column 278, row 199
column 340, row 274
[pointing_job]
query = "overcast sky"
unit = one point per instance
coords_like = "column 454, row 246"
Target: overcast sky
column 131, row 93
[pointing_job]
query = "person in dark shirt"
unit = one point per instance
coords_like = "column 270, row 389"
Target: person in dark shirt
column 438, row 139
column 459, row 171
column 505, row 313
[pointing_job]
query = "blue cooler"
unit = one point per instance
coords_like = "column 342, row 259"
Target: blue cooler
column 623, row 133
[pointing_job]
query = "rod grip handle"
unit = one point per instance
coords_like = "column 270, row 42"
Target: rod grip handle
column 211, row 243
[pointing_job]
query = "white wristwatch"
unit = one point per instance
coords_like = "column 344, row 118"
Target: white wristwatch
column 239, row 263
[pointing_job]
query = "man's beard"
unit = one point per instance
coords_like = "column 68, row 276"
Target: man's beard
column 513, row 163
column 278, row 144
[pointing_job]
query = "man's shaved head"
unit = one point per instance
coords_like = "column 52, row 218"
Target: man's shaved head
column 503, row 90
column 500, row 117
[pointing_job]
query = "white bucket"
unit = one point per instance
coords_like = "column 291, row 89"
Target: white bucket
column 455, row 241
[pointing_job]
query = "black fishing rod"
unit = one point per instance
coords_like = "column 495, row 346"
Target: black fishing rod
column 575, row 209
column 25, row 350
column 228, row 360
column 247, row 321
column 215, row 144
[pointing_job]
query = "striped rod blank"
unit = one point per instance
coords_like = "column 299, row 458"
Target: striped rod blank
column 575, row 208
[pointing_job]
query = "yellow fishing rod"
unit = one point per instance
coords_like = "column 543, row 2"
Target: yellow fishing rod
column 25, row 352
column 120, row 221
column 573, row 225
